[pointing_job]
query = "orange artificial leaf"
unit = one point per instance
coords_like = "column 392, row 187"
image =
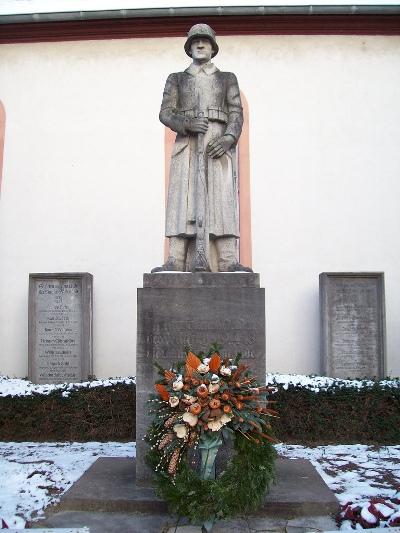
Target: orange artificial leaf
column 215, row 362
column 192, row 360
column 162, row 391
column 272, row 412
column 189, row 371
column 256, row 425
column 238, row 371
column 268, row 437
column 169, row 375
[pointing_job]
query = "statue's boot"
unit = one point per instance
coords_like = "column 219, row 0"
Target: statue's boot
column 238, row 267
column 169, row 266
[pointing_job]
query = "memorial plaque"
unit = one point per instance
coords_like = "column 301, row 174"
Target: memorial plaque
column 352, row 309
column 60, row 327
column 182, row 309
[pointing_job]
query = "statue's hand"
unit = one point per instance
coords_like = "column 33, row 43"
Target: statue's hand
column 197, row 125
column 218, row 147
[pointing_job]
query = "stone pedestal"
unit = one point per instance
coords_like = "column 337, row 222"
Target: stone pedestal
column 185, row 309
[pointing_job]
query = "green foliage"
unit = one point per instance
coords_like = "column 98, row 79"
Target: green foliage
column 87, row 414
column 348, row 415
column 160, row 369
column 240, row 489
column 370, row 415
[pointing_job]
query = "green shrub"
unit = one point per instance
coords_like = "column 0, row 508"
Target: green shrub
column 366, row 415
column 86, row 414
column 337, row 415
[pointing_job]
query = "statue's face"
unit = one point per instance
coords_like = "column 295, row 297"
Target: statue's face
column 201, row 49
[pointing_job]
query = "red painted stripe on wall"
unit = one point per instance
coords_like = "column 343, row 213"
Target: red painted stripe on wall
column 245, row 244
column 178, row 26
column 169, row 139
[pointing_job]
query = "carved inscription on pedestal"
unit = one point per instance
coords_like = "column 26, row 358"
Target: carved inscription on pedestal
column 235, row 335
column 183, row 309
column 353, row 327
column 60, row 316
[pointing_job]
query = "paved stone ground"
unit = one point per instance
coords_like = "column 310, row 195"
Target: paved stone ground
column 144, row 523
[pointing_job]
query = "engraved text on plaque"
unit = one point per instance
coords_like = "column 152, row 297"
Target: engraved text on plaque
column 60, row 315
column 353, row 327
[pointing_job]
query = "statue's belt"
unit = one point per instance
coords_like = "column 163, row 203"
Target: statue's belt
column 216, row 114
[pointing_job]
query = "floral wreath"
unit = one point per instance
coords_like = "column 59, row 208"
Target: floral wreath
column 201, row 404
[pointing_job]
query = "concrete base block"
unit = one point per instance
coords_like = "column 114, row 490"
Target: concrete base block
column 300, row 491
column 176, row 310
column 55, row 530
column 109, row 486
column 99, row 522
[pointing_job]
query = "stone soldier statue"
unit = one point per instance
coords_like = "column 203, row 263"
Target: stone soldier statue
column 202, row 105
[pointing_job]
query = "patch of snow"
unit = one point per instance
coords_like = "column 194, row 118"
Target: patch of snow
column 384, row 510
column 36, row 474
column 24, row 387
column 346, row 525
column 367, row 516
column 318, row 383
column 362, row 477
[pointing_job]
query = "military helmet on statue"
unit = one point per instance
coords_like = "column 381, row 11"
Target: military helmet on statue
column 201, row 31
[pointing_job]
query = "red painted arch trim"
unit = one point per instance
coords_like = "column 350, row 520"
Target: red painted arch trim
column 245, row 243
column 169, row 140
column 224, row 25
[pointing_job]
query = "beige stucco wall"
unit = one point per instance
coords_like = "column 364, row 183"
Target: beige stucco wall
column 83, row 179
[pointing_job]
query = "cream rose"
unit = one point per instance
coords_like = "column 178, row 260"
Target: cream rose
column 225, row 370
column 177, row 385
column 187, row 398
column 181, row 430
column 214, row 425
column 225, row 419
column 190, row 418
column 173, row 401
column 202, row 368
column 218, row 423
column 213, row 388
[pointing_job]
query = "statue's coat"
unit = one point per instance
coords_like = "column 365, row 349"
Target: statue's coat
column 215, row 93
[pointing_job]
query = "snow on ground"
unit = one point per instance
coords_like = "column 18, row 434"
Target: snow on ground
column 359, row 475
column 353, row 472
column 35, row 474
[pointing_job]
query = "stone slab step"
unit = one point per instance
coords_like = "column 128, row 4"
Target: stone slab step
column 109, row 486
column 145, row 523
column 56, row 530
column 109, row 522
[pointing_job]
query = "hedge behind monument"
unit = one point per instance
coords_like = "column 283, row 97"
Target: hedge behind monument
column 87, row 414
column 366, row 415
